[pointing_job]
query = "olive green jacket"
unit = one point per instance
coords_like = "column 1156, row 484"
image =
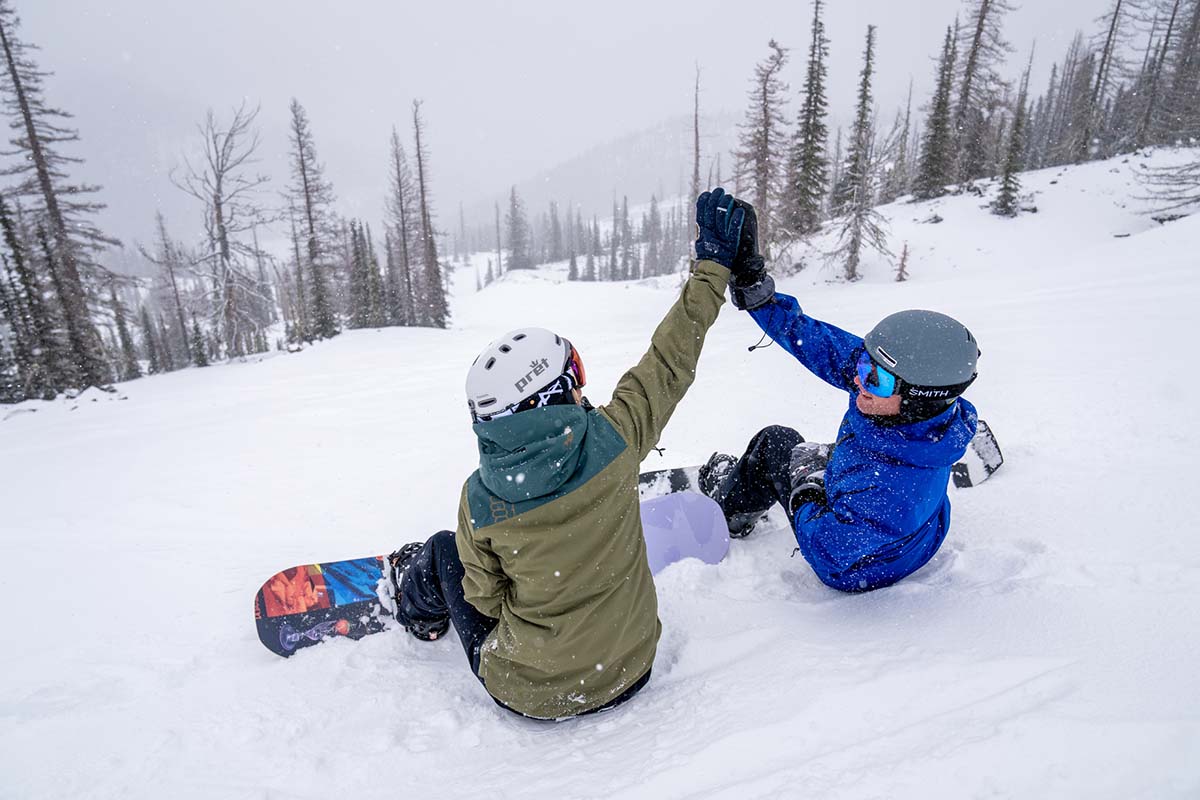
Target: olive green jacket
column 550, row 534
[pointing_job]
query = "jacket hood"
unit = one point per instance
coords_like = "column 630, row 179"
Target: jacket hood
column 935, row 442
column 532, row 453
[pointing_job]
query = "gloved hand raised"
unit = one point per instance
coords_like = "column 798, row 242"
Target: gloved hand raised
column 718, row 227
column 750, row 286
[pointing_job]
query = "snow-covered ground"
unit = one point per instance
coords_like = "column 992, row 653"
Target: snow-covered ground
column 1050, row 650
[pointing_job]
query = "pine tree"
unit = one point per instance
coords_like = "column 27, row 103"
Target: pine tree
column 554, row 241
column 128, row 367
column 858, row 153
column 898, row 178
column 630, row 269
column 11, row 390
column 1150, row 124
column 1181, row 106
column 902, row 267
column 165, row 356
column 1076, row 140
column 1005, row 204
column 199, row 345
column 312, row 197
column 46, row 356
column 435, row 310
column 984, row 48
column 376, row 292
column 404, row 231
column 762, row 141
column 517, row 228
column 1109, row 61
column 655, row 247
column 168, row 257
column 60, row 207
column 937, row 156
column 499, row 256
column 808, row 169
column 360, row 311
column 614, row 245
column 862, row 225
column 149, row 345
column 593, row 249
column 16, row 354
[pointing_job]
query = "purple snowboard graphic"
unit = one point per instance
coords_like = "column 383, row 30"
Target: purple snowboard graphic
column 683, row 525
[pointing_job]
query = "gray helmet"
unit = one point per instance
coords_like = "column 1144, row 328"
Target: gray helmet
column 933, row 354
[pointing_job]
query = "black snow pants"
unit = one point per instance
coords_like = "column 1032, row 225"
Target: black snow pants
column 431, row 590
column 761, row 477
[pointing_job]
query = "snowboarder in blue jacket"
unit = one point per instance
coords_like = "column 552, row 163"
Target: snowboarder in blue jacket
column 871, row 508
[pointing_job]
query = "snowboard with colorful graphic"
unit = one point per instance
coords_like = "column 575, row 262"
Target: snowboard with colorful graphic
column 310, row 603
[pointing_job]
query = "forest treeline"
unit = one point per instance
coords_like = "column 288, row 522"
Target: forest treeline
column 1129, row 80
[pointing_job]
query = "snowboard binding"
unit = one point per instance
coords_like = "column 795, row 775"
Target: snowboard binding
column 398, row 564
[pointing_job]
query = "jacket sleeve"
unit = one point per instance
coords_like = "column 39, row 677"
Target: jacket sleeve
column 826, row 350
column 646, row 395
column 484, row 581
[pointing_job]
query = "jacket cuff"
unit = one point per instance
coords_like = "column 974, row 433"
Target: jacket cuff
column 755, row 295
column 711, row 268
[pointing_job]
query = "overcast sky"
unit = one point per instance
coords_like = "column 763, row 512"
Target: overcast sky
column 508, row 88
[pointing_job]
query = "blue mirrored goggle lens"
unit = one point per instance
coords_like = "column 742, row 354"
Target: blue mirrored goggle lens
column 878, row 380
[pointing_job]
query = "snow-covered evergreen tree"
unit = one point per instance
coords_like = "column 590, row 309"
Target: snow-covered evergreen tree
column 761, row 155
column 862, row 225
column 435, row 310
column 517, row 229
column 808, row 168
column 64, row 210
column 936, row 168
column 127, row 365
column 311, row 195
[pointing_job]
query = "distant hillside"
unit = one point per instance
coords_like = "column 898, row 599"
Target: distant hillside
column 657, row 160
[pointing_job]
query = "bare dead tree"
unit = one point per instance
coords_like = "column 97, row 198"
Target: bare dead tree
column 222, row 180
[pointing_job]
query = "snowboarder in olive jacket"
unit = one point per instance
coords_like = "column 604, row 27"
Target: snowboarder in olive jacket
column 545, row 579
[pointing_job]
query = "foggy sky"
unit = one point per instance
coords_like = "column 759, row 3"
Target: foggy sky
column 509, row 89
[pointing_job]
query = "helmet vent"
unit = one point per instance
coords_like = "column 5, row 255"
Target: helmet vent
column 491, row 401
column 518, row 337
column 505, row 348
column 886, row 356
column 491, row 362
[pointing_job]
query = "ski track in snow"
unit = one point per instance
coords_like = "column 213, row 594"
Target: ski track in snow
column 1049, row 650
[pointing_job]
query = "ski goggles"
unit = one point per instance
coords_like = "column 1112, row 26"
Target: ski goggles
column 877, row 380
column 574, row 365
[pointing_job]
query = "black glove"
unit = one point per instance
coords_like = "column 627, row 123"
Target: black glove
column 806, row 472
column 718, row 227
column 749, row 284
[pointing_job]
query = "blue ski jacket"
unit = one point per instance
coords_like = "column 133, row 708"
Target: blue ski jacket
column 886, row 511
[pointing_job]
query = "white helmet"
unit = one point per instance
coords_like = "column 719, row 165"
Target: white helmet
column 514, row 367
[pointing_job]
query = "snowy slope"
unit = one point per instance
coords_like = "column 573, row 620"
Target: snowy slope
column 1048, row 651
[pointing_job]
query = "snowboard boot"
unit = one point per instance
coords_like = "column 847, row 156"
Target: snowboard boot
column 714, row 472
column 713, row 481
column 398, row 564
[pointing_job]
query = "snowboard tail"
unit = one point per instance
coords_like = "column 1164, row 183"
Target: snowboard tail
column 983, row 457
column 305, row 605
